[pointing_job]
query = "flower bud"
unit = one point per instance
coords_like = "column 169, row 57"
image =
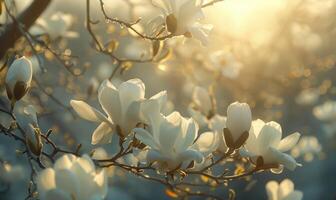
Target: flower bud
column 34, row 140
column 171, row 23
column 18, row 79
column 239, row 119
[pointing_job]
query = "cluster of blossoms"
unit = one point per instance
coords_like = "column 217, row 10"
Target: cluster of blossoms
column 173, row 140
column 72, row 178
column 169, row 141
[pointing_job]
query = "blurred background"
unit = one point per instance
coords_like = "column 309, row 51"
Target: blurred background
column 276, row 55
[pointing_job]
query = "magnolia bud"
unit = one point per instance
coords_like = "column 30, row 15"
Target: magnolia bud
column 18, row 79
column 34, row 140
column 171, row 23
column 239, row 119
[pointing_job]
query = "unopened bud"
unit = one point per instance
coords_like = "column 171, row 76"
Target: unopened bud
column 18, row 79
column 239, row 119
column 34, row 140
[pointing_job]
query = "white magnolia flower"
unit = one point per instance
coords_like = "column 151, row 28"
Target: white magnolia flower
column 239, row 118
column 265, row 141
column 226, row 63
column 326, row 111
column 18, row 78
column 56, row 26
column 121, row 106
column 207, row 143
column 182, row 18
column 283, row 191
column 72, row 178
column 307, row 147
column 202, row 100
column 170, row 139
column 201, row 107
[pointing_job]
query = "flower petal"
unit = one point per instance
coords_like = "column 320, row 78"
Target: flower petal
column 87, row 112
column 67, row 181
column 108, row 97
column 272, row 190
column 102, row 134
column 145, row 137
column 284, row 159
column 270, row 136
column 289, row 142
column 56, row 194
column 161, row 98
column 286, row 187
column 46, row 181
column 206, row 143
column 130, row 91
column 190, row 155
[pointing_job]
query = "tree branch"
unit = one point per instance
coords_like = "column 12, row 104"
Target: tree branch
column 27, row 18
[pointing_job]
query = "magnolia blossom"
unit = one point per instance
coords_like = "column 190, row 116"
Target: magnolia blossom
column 182, row 18
column 226, row 63
column 121, row 106
column 239, row 118
column 56, row 26
column 201, row 108
column 72, row 178
column 283, row 191
column 171, row 138
column 265, row 141
column 207, row 143
column 326, row 111
column 18, row 78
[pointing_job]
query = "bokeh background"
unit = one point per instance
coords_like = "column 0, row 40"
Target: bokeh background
column 276, row 55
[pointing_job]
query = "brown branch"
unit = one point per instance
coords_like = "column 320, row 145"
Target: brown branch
column 27, row 18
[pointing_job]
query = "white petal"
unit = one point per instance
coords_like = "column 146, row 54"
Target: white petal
column 87, row 112
column 284, row 159
column 67, row 181
column 130, row 91
column 269, row 136
column 65, row 162
column 289, row 142
column 217, row 123
column 168, row 134
column 56, row 194
column 153, row 155
column 161, row 97
column 145, row 137
column 102, row 134
column 108, row 97
column 150, row 114
column 202, row 99
column 286, row 187
column 190, row 155
column 206, row 143
column 272, row 190
column 102, row 186
column 188, row 134
column 46, row 181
